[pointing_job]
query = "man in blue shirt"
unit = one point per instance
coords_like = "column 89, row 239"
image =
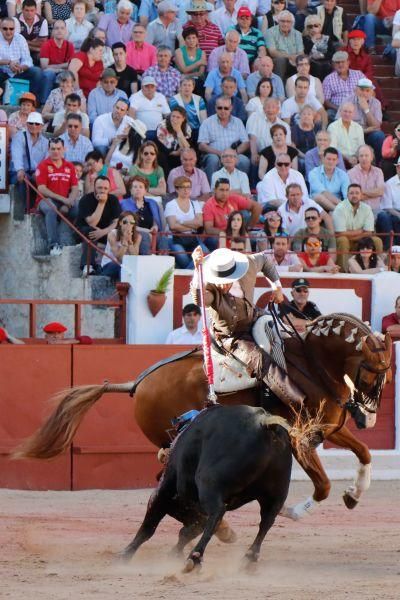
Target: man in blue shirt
column 214, row 78
column 328, row 183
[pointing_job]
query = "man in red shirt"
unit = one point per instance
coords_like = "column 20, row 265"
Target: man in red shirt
column 379, row 20
column 218, row 208
column 55, row 55
column 210, row 35
column 391, row 323
column 57, row 183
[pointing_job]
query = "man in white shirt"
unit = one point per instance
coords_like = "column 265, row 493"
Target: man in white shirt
column 293, row 210
column 105, row 126
column 190, row 332
column 226, row 16
column 272, row 188
column 258, row 128
column 292, row 106
column 238, row 180
column 149, row 106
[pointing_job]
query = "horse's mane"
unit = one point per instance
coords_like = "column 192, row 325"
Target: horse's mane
column 335, row 324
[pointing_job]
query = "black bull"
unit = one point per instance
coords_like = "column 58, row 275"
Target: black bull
column 227, row 457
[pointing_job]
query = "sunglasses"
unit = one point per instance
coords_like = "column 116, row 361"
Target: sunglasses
column 184, row 187
column 147, row 153
column 313, row 244
column 37, row 124
column 223, row 107
column 8, row 28
column 310, row 218
column 273, row 219
column 56, row 141
column 301, row 290
column 313, row 25
column 126, row 222
column 282, row 164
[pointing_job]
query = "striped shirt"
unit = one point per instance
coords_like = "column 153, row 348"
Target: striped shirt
column 213, row 133
column 17, row 51
column 76, row 152
column 250, row 42
column 210, row 36
column 336, row 89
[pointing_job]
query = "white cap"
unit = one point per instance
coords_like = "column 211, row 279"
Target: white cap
column 365, row 83
column 148, row 80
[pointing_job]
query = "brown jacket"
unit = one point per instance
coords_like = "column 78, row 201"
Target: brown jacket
column 232, row 316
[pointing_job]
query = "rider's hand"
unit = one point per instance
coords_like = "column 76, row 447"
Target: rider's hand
column 278, row 296
column 197, row 256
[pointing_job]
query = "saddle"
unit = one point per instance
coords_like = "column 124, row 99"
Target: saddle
column 229, row 374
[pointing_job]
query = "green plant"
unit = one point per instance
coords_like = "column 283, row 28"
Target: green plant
column 164, row 281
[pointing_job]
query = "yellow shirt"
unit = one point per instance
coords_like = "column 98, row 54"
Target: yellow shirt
column 347, row 141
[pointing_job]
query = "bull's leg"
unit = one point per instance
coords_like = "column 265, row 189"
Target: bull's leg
column 215, row 509
column 269, row 511
column 345, row 439
column 314, row 469
column 157, row 508
column 186, row 535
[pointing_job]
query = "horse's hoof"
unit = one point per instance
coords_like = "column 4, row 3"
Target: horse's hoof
column 226, row 535
column 124, row 556
column 249, row 563
column 349, row 501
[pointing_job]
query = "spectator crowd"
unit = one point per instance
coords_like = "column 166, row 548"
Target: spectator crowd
column 155, row 126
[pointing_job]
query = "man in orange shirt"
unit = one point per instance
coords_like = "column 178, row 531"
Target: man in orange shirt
column 218, row 208
column 378, row 20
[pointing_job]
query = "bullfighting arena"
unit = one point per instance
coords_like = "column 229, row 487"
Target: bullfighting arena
column 62, row 545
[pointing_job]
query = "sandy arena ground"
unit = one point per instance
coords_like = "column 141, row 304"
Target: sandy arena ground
column 61, row 545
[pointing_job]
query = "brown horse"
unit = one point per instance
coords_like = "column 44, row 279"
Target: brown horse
column 339, row 360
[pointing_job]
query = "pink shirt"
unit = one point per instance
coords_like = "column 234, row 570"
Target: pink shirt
column 368, row 181
column 141, row 58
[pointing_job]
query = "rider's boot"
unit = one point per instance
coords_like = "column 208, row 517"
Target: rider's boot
column 279, row 383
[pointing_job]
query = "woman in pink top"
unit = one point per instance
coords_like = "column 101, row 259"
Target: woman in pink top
column 139, row 54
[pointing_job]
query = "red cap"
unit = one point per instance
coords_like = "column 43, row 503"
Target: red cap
column 3, row 335
column 356, row 33
column 244, row 11
column 54, row 328
column 84, row 339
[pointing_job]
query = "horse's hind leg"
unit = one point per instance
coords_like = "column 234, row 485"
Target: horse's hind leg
column 157, row 508
column 345, row 439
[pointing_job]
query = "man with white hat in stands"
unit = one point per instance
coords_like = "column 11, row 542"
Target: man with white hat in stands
column 229, row 294
column 149, row 106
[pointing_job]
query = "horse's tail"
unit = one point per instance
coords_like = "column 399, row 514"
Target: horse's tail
column 56, row 434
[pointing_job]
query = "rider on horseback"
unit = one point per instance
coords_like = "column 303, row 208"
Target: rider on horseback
column 230, row 281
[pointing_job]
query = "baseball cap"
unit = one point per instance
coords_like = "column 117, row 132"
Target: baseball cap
column 364, row 82
column 148, row 80
column 356, row 33
column 244, row 11
column 108, row 73
column 339, row 56
column 54, row 327
column 166, row 6
column 299, row 283
column 35, row 117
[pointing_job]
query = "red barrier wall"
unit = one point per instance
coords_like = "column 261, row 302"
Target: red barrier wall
column 29, row 375
column 108, row 451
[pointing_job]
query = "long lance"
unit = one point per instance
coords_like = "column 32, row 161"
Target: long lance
column 208, row 365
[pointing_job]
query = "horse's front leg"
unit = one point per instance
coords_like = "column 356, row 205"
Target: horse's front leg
column 314, row 469
column 345, row 439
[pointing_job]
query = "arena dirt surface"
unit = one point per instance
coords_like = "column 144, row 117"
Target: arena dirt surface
column 61, row 545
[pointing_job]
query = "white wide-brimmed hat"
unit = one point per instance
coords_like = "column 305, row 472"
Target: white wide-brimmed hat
column 225, row 266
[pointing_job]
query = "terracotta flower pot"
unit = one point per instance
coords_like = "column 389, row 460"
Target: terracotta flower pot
column 156, row 301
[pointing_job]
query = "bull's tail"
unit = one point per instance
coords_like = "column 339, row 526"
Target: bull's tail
column 302, row 432
column 56, row 434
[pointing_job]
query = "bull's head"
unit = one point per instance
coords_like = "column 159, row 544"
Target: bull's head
column 373, row 372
